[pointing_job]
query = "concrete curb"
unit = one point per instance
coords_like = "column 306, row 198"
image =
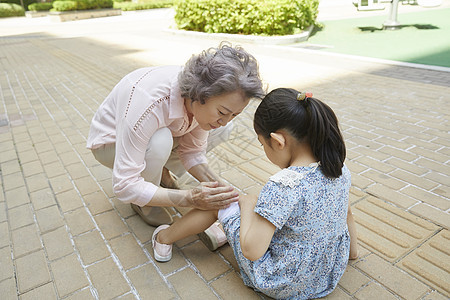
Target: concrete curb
column 252, row 39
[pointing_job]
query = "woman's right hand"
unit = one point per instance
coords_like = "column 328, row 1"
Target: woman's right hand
column 211, row 196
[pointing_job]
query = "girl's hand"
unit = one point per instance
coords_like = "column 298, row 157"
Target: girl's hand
column 211, row 196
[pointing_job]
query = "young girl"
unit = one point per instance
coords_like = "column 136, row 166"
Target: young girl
column 292, row 241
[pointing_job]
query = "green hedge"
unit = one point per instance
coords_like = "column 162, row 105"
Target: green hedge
column 41, row 6
column 126, row 5
column 25, row 2
column 11, row 10
column 258, row 17
column 69, row 5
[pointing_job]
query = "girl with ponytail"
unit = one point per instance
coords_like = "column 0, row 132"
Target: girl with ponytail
column 294, row 240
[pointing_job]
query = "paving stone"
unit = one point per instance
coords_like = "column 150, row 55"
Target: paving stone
column 253, row 190
column 355, row 167
column 25, row 240
column 361, row 182
column 337, row 294
column 237, row 179
column 442, row 179
column 69, row 200
column 442, row 190
column 260, row 175
column 79, row 221
column 353, row 280
column 141, row 229
column 7, row 269
column 69, row 275
column 46, row 291
column 42, row 198
column 84, row 294
column 387, row 230
column 231, row 287
column 203, row 258
column 12, row 181
column 91, row 246
column 390, row 195
column 194, row 288
column 431, row 262
column 77, row 171
column 98, row 203
column 101, row 172
column 106, row 185
column 8, row 288
column 49, row 218
column 392, row 277
column 48, row 157
column 128, row 251
column 228, row 254
column 437, row 157
column 20, row 216
column 57, row 243
column 433, row 165
column 9, row 167
column 384, row 179
column 8, row 155
column 435, row 296
column 43, row 146
column 32, row 271
column 372, row 153
column 86, row 185
column 149, row 284
column 27, row 156
column 375, row 164
column 374, row 291
column 61, row 183
column 110, row 224
column 4, row 234
column 54, row 169
column 68, row 156
column 177, row 262
column 37, row 182
column 32, row 168
column 107, row 279
column 407, row 166
column 427, row 197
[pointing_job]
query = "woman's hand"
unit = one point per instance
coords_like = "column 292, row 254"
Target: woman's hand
column 211, row 196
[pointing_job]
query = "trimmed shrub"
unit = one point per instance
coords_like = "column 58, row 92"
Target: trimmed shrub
column 25, row 2
column 269, row 17
column 11, row 10
column 126, row 5
column 41, row 6
column 64, row 5
column 68, row 5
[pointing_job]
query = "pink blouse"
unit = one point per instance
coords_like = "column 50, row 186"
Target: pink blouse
column 142, row 102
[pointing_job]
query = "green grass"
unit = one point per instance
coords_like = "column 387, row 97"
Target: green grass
column 424, row 37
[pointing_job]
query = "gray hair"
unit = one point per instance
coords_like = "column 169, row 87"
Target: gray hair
column 218, row 71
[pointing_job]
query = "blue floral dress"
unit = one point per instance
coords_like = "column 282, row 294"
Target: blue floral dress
column 309, row 250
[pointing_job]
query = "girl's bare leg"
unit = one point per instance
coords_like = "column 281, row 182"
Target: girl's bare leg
column 194, row 222
column 353, row 236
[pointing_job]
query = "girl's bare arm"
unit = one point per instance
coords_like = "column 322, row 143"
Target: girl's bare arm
column 256, row 232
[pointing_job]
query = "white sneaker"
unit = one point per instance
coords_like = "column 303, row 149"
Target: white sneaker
column 213, row 237
column 161, row 252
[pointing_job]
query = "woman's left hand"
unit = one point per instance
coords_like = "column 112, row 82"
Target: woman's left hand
column 211, row 196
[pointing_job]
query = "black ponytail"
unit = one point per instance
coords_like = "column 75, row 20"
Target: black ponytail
column 308, row 120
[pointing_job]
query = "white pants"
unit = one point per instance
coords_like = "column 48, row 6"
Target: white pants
column 161, row 152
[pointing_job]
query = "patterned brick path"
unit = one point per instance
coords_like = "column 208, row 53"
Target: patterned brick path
column 63, row 234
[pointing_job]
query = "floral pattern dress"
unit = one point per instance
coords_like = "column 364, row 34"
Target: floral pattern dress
column 309, row 250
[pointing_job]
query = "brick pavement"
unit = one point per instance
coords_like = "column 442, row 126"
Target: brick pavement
column 63, row 234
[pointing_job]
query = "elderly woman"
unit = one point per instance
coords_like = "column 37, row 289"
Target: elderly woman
column 165, row 118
